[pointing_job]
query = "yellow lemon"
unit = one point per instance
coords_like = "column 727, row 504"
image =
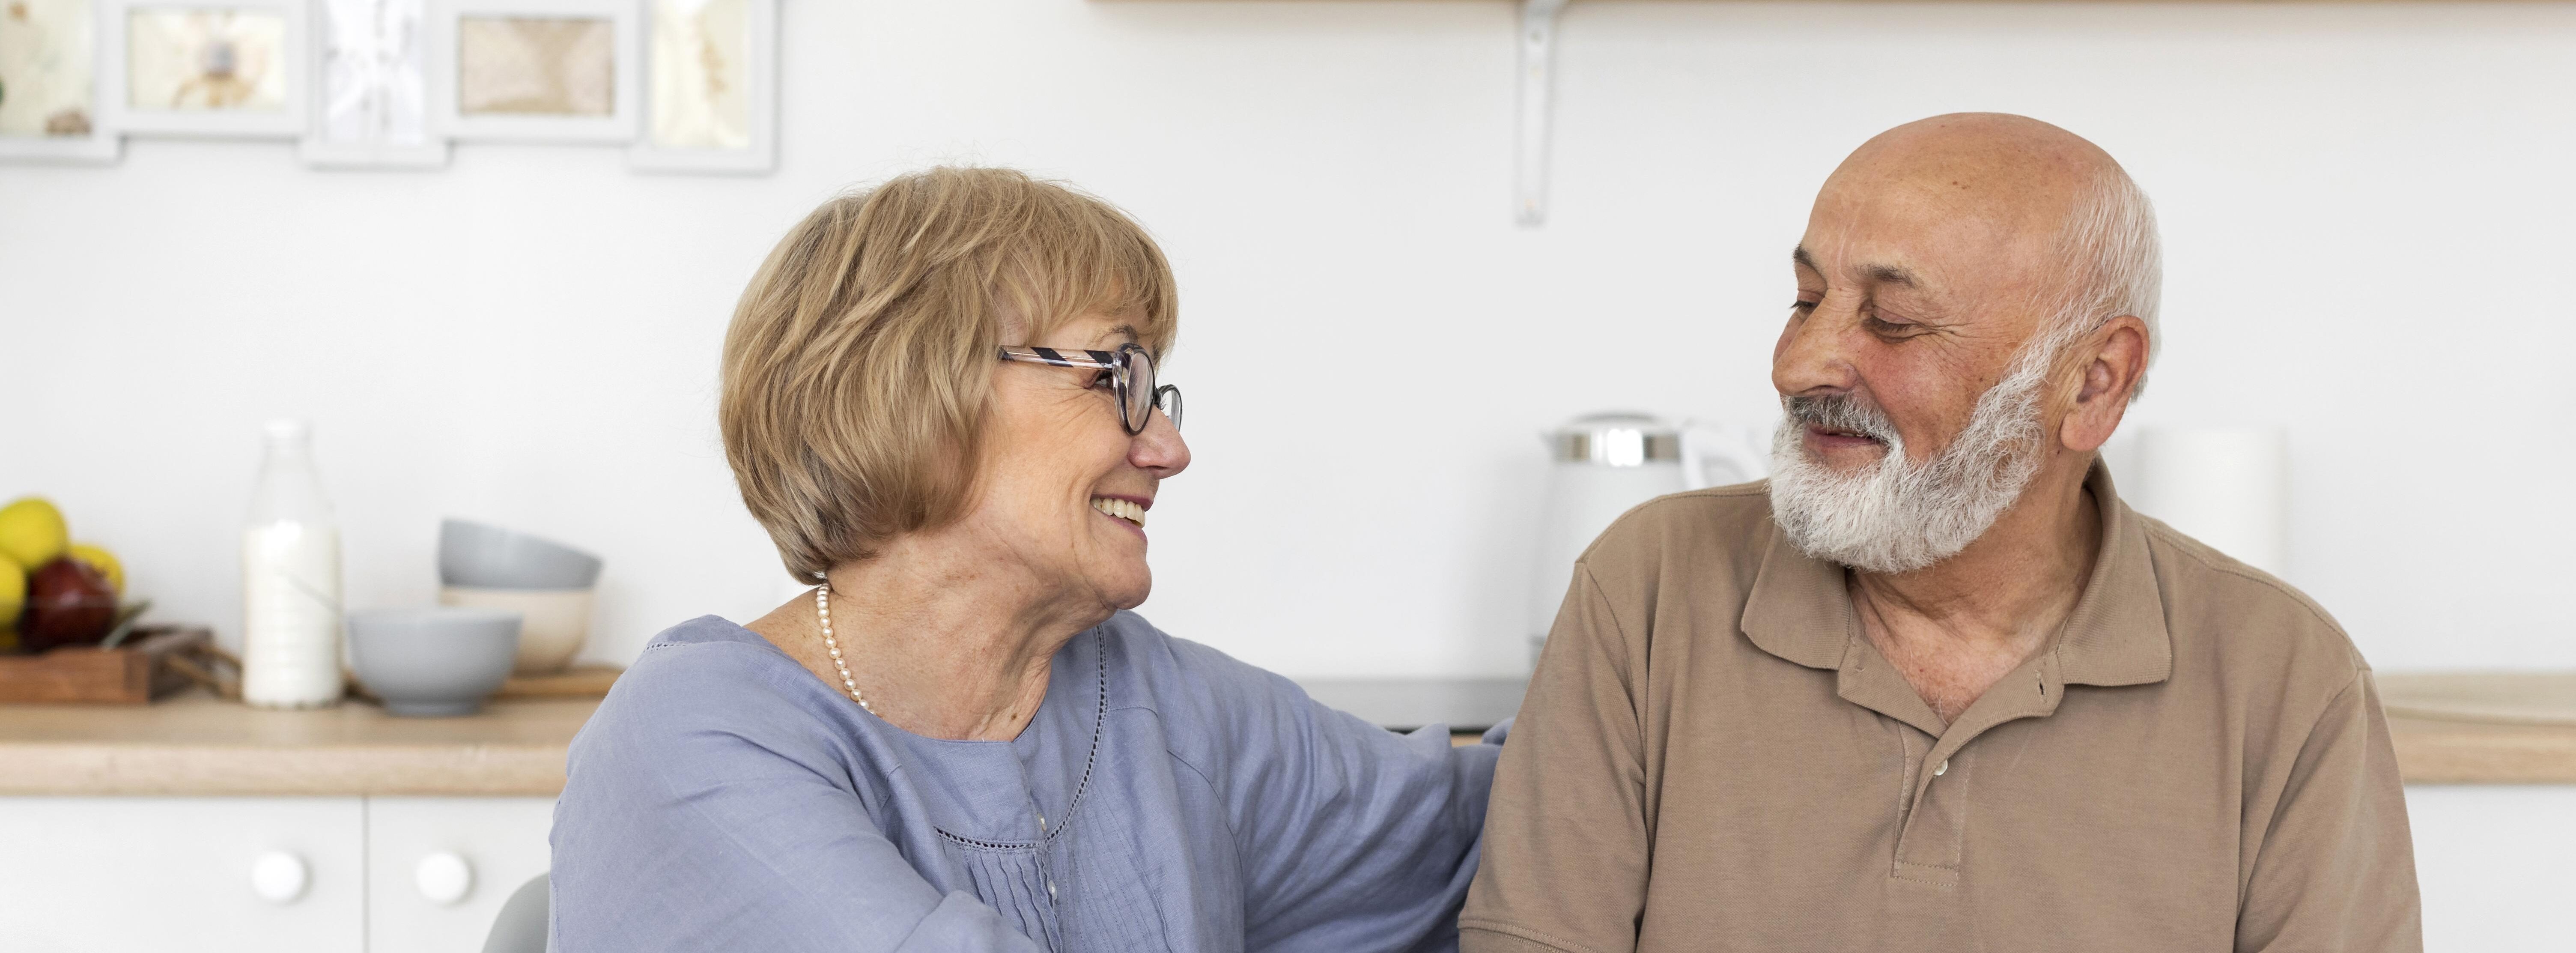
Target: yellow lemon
column 32, row 531
column 105, row 562
column 13, row 597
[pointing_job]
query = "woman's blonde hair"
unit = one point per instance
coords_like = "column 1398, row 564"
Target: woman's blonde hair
column 860, row 360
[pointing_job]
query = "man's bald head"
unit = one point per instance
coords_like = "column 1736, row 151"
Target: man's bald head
column 1984, row 162
column 2073, row 230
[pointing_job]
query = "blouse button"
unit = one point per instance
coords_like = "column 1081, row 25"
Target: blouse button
column 1050, row 890
column 1943, row 769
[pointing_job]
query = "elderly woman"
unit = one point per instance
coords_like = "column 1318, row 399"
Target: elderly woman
column 940, row 400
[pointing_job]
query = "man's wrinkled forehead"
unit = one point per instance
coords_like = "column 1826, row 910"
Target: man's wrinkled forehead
column 1965, row 200
column 1927, row 230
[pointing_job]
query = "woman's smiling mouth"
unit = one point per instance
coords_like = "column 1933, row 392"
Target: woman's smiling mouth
column 1122, row 508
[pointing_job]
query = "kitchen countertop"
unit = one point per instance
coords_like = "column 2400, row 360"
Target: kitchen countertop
column 2482, row 727
column 194, row 744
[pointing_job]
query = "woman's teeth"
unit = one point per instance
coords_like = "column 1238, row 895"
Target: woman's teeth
column 1119, row 508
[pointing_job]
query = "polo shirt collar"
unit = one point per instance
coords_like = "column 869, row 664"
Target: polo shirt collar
column 1799, row 610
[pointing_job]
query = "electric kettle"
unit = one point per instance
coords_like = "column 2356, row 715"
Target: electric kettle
column 1603, row 464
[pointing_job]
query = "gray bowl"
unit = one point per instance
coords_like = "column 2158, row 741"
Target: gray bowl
column 433, row 662
column 489, row 557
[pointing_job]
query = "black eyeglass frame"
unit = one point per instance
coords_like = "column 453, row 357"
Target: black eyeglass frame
column 1122, row 365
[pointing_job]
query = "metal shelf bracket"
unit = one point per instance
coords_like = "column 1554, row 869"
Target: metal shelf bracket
column 1538, row 68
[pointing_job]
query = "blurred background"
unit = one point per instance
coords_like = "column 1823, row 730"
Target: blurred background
column 2363, row 209
column 2360, row 204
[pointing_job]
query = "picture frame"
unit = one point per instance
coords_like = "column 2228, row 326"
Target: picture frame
column 370, row 81
column 526, row 70
column 686, row 133
column 227, row 68
column 100, row 144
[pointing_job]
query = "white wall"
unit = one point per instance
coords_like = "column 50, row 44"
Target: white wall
column 2364, row 208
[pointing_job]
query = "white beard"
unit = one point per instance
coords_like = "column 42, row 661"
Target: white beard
column 1892, row 517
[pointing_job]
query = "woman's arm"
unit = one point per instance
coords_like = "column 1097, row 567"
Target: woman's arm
column 700, row 816
column 1352, row 837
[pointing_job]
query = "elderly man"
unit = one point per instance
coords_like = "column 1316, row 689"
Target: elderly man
column 1935, row 687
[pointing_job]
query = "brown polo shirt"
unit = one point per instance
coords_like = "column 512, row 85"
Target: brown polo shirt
column 1712, row 756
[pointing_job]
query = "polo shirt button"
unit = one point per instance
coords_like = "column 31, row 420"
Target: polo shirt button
column 1050, row 890
column 1943, row 769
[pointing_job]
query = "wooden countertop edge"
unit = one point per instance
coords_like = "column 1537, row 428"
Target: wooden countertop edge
column 2428, row 752
column 2452, row 752
column 477, row 770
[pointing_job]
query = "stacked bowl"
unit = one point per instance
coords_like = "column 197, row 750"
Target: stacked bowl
column 548, row 583
column 436, row 662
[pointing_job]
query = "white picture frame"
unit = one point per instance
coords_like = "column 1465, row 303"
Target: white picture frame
column 759, row 154
column 447, row 26
column 117, row 72
column 102, row 145
column 384, row 27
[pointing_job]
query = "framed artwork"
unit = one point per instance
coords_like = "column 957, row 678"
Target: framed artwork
column 535, row 70
column 49, row 82
column 711, row 87
column 205, row 67
column 371, row 81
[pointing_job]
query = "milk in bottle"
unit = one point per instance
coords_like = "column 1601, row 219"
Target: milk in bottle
column 290, row 580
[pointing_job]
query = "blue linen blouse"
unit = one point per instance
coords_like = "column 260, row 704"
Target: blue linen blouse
column 1163, row 797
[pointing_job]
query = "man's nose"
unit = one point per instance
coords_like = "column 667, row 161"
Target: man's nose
column 1813, row 355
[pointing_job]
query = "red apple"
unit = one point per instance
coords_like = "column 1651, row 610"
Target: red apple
column 68, row 603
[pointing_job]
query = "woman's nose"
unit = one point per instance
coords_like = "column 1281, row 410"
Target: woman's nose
column 1159, row 450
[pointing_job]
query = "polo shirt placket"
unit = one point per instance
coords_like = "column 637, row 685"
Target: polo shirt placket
column 1939, row 764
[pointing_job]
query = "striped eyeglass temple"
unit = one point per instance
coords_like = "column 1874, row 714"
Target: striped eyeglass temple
column 1047, row 355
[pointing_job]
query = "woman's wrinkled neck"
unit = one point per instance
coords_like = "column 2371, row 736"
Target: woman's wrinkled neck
column 945, row 640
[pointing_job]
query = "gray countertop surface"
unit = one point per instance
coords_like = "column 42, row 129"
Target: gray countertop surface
column 1463, row 704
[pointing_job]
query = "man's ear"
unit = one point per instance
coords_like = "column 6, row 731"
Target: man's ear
column 2114, row 359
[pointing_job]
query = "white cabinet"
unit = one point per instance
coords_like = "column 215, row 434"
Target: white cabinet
column 438, row 868
column 169, row 873
column 263, row 874
column 2493, row 863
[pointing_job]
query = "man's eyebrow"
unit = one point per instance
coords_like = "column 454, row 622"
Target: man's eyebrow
column 1883, row 274
column 1891, row 274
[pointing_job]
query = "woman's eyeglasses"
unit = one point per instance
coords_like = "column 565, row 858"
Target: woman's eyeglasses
column 1131, row 372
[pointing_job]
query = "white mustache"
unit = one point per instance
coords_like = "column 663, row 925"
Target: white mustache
column 1842, row 412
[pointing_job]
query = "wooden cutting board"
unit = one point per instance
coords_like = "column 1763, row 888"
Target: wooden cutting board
column 130, row 674
column 579, row 681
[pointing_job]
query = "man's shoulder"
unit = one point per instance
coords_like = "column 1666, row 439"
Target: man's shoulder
column 2235, row 613
column 1726, row 524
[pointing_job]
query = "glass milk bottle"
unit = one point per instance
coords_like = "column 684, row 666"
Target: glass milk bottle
column 290, row 580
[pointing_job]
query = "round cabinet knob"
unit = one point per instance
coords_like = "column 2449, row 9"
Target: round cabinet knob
column 444, row 878
column 279, row 877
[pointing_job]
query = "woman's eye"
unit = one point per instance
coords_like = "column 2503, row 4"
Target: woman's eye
column 1104, row 379
column 1803, row 306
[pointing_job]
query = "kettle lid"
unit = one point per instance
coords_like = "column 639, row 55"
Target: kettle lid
column 1615, row 438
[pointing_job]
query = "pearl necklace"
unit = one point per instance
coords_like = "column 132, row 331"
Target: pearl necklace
column 823, row 614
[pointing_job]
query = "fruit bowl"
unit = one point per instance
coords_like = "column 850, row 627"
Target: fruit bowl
column 54, row 591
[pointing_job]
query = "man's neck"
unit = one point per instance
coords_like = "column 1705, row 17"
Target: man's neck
column 1957, row 625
